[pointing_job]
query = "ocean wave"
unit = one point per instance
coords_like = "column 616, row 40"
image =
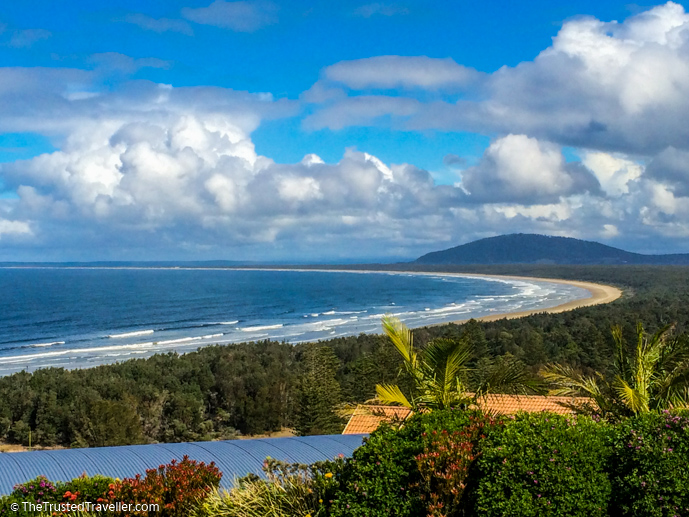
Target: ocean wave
column 41, row 345
column 132, row 334
column 261, row 327
column 211, row 336
column 332, row 312
column 228, row 322
column 174, row 341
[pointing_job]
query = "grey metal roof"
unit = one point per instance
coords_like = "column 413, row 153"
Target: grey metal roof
column 234, row 458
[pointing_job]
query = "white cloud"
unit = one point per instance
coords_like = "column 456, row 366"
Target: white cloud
column 604, row 86
column 400, row 72
column 614, row 173
column 671, row 166
column 241, row 16
column 521, row 169
column 14, row 228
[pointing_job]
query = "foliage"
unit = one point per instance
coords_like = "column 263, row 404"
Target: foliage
column 288, row 490
column 445, row 462
column 84, row 488
column 542, row 464
column 177, row 487
column 441, row 373
column 654, row 376
column 649, row 469
column 382, row 478
column 253, row 388
column 39, row 490
column 319, row 392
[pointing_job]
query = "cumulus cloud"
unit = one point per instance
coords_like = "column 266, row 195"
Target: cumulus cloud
column 520, row 169
column 242, row 16
column 149, row 171
column 614, row 173
column 672, row 167
column 159, row 25
column 14, row 228
column 608, row 86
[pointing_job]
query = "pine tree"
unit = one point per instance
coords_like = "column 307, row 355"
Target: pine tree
column 319, row 392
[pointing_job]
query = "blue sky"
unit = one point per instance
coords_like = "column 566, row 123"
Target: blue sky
column 179, row 130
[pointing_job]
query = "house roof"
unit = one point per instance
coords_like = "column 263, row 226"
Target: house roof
column 366, row 419
column 234, row 458
column 511, row 404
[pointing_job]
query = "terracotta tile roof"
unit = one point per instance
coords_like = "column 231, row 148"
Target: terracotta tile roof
column 366, row 419
column 511, row 404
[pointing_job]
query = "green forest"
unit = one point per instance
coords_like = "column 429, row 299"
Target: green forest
column 221, row 392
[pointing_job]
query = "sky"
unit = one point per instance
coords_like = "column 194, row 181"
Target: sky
column 347, row 131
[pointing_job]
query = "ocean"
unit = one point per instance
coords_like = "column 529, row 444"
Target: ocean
column 82, row 317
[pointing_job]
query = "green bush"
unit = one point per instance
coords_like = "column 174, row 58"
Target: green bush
column 84, row 489
column 382, row 478
column 37, row 491
column 542, row 464
column 290, row 490
column 649, row 468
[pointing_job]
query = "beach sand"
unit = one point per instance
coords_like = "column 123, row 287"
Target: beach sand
column 600, row 293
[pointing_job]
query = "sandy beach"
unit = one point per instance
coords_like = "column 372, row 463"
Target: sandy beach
column 600, row 293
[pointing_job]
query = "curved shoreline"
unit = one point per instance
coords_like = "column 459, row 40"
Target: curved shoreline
column 600, row 293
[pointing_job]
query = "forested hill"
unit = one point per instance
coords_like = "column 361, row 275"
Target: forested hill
column 523, row 248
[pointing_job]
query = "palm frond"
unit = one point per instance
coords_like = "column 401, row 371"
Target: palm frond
column 446, row 359
column 392, row 394
column 636, row 401
column 401, row 337
column 509, row 376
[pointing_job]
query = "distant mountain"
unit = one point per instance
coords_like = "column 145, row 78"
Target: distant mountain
column 524, row 248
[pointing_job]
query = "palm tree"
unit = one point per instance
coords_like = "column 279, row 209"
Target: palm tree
column 441, row 376
column 654, row 375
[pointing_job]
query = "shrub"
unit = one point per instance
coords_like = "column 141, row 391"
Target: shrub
column 382, row 478
column 649, row 468
column 84, row 489
column 38, row 491
column 288, row 491
column 177, row 487
column 543, row 464
column 444, row 465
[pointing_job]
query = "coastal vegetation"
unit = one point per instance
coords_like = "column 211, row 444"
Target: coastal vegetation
column 651, row 376
column 443, row 463
column 441, row 376
column 220, row 392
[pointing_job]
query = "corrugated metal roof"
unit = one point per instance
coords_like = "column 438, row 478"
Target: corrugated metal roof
column 234, row 458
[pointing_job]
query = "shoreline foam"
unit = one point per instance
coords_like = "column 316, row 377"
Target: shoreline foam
column 600, row 293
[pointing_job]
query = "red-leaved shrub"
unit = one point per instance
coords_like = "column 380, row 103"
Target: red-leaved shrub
column 444, row 465
column 177, row 487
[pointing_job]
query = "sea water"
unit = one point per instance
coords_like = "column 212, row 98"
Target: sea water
column 81, row 317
